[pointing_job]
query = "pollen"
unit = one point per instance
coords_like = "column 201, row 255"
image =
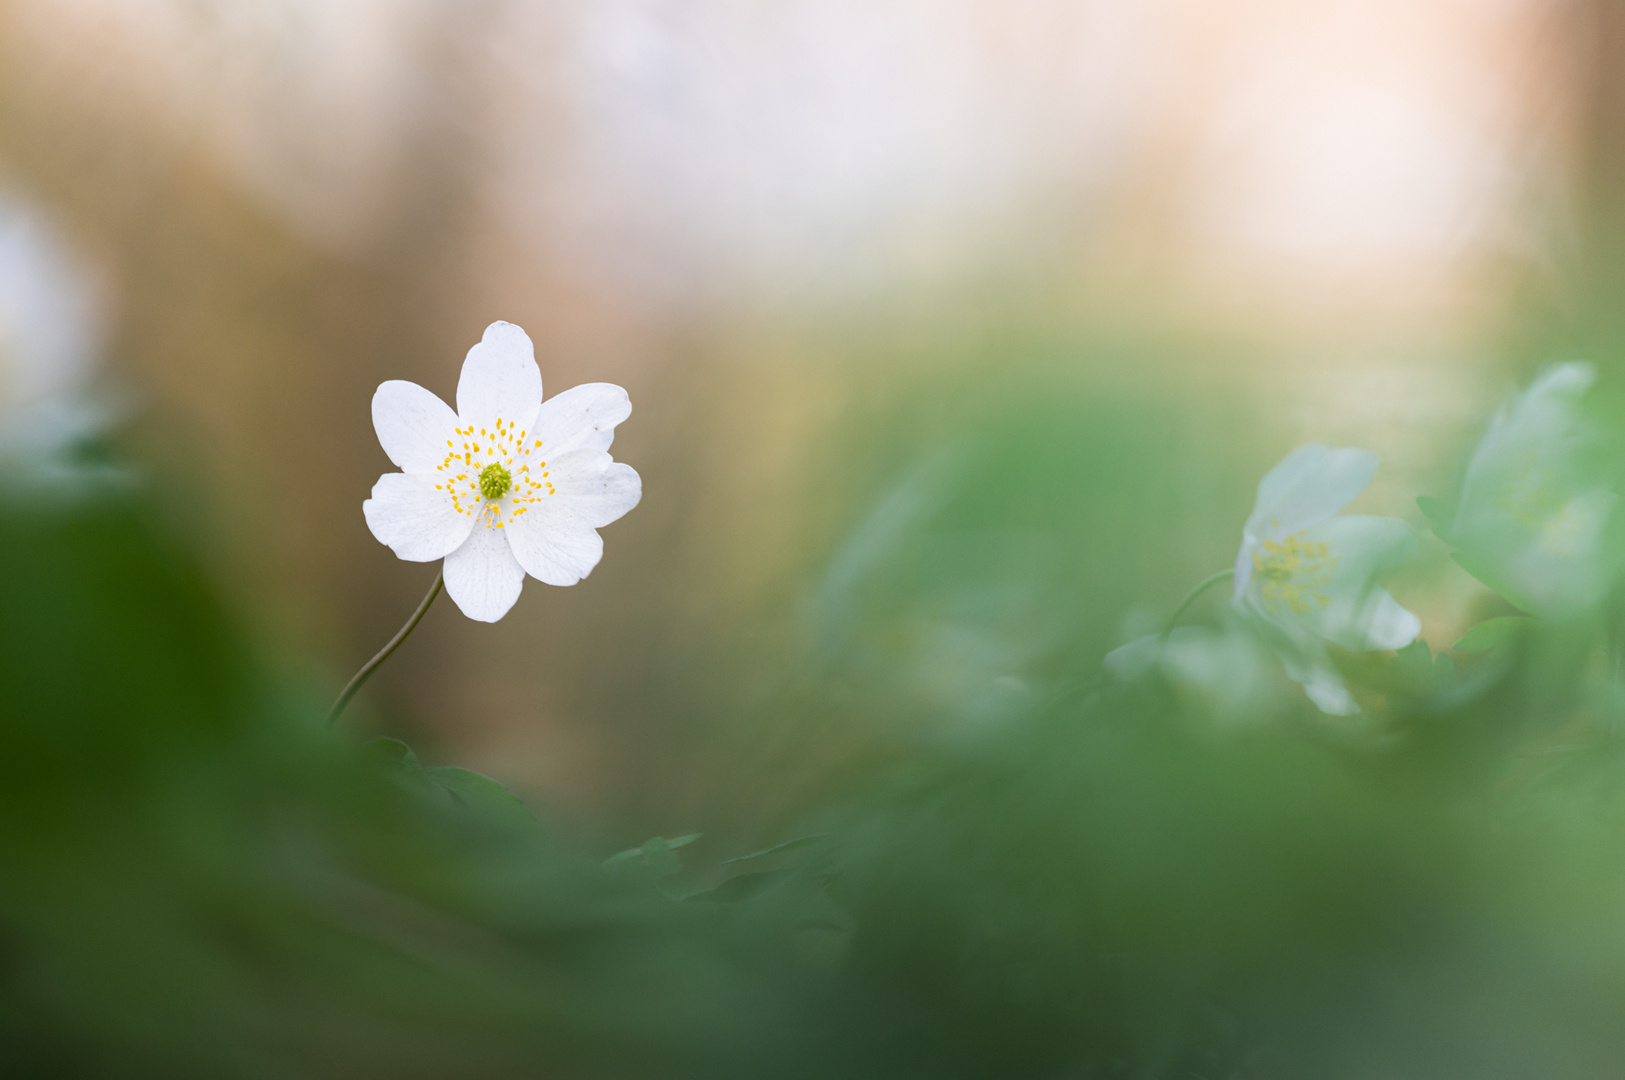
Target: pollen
column 1294, row 573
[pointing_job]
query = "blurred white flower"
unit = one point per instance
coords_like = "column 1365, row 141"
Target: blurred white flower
column 505, row 486
column 1217, row 671
column 1306, row 575
column 1534, row 511
column 48, row 347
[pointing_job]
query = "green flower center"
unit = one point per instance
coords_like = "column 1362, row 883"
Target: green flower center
column 495, row 481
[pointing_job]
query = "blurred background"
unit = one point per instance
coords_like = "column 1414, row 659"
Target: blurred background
column 957, row 333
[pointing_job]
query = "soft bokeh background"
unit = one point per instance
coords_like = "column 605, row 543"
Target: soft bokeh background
column 981, row 319
column 958, row 334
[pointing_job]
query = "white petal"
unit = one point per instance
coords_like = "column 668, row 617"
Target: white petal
column 1529, row 460
column 412, row 424
column 554, row 543
column 1309, row 485
column 1559, row 383
column 583, row 417
column 1388, row 624
column 1244, row 566
column 1226, row 672
column 1535, row 511
column 1564, row 566
column 1128, row 663
column 418, row 522
column 482, row 576
column 500, row 379
column 1325, row 687
column 595, row 486
column 1313, row 670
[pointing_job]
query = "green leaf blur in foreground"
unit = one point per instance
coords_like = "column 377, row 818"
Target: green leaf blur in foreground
column 195, row 880
column 656, row 857
column 1186, row 870
column 466, row 789
column 1492, row 634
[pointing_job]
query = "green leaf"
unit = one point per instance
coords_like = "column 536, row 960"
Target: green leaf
column 659, row 858
column 482, row 796
column 745, row 876
column 742, row 887
column 1487, row 575
column 449, row 785
column 392, row 754
column 1440, row 514
column 1415, row 662
column 657, row 855
column 1493, row 633
column 776, row 849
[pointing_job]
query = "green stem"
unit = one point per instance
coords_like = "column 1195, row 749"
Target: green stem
column 1613, row 639
column 383, row 654
column 1190, row 598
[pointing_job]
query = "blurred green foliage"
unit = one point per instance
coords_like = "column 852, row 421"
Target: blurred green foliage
column 197, row 879
column 1074, row 876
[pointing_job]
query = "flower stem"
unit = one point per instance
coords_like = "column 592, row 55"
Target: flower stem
column 383, row 654
column 1190, row 598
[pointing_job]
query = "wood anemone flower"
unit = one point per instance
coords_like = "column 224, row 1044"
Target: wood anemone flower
column 507, row 485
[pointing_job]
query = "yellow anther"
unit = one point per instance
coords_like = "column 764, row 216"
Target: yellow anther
column 1294, row 572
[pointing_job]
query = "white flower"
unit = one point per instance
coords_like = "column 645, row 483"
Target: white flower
column 505, row 486
column 1306, row 575
column 48, row 347
column 1534, row 511
column 1217, row 671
